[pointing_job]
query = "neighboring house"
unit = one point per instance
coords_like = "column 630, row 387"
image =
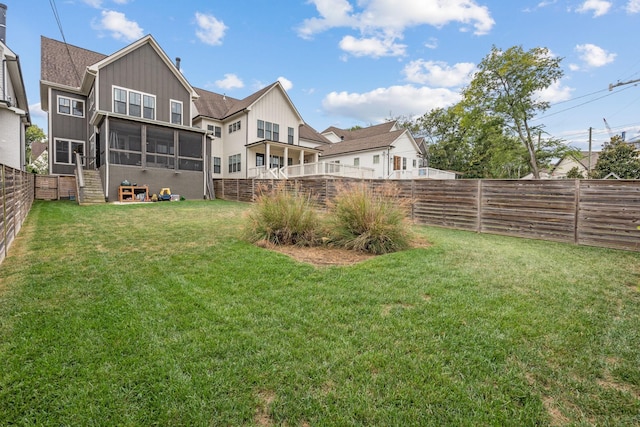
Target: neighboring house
column 579, row 160
column 133, row 116
column 128, row 114
column 39, row 161
column 388, row 149
column 14, row 108
column 262, row 135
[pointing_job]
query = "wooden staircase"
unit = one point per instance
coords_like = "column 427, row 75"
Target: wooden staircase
column 92, row 192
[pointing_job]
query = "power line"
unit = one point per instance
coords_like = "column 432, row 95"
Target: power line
column 580, row 105
column 56, row 15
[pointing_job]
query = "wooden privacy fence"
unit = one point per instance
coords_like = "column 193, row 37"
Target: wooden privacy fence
column 16, row 198
column 603, row 213
column 55, row 187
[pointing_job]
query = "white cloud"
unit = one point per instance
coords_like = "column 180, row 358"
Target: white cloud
column 436, row 73
column 286, row 83
column 374, row 47
column 598, row 7
column 391, row 18
column 555, row 93
column 594, row 56
column 230, row 81
column 377, row 105
column 432, row 43
column 211, row 30
column 633, row 6
column 94, row 3
column 119, row 26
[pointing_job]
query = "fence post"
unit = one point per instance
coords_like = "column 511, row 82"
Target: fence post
column 479, row 207
column 576, row 218
column 4, row 209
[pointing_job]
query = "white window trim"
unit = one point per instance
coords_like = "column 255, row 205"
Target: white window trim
column 171, row 102
column 71, row 101
column 126, row 102
column 69, row 141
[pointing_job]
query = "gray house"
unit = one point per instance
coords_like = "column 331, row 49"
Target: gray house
column 127, row 114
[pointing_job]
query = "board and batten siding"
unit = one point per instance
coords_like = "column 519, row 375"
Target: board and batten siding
column 275, row 108
column 143, row 70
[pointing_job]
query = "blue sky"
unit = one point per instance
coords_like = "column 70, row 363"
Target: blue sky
column 357, row 62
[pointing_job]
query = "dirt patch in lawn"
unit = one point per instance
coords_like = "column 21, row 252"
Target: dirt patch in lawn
column 322, row 256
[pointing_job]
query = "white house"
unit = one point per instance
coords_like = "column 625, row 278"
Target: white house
column 580, row 160
column 389, row 150
column 261, row 135
column 14, row 108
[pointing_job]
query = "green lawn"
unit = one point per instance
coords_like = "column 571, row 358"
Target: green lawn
column 160, row 314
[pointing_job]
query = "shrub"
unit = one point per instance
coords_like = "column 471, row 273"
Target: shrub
column 369, row 220
column 283, row 216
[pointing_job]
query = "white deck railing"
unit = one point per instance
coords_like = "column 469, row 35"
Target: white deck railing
column 344, row 171
column 311, row 169
column 422, row 173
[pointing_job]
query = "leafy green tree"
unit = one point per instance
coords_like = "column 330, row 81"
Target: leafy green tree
column 34, row 134
column 507, row 86
column 574, row 173
column 620, row 158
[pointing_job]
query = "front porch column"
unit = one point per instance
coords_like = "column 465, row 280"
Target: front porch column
column 301, row 157
column 286, row 157
column 267, row 156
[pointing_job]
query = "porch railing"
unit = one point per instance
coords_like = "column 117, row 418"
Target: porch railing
column 422, row 173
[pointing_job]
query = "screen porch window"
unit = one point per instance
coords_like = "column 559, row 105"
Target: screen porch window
column 160, row 148
column 125, row 143
column 189, row 151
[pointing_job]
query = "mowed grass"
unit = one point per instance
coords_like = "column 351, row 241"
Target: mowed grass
column 160, row 314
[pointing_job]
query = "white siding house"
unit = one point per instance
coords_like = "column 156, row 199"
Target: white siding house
column 387, row 149
column 14, row 110
column 260, row 136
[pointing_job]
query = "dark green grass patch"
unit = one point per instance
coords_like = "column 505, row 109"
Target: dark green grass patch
column 161, row 314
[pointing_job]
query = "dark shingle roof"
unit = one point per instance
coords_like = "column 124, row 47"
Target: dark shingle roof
column 310, row 134
column 216, row 106
column 65, row 64
column 370, row 141
column 368, row 132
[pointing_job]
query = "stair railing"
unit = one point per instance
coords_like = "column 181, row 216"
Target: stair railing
column 79, row 172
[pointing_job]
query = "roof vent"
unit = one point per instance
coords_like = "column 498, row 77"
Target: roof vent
column 178, row 63
column 3, row 23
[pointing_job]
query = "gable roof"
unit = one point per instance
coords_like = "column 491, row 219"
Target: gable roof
column 15, row 76
column 74, row 67
column 352, row 134
column 581, row 158
column 219, row 107
column 368, row 142
column 376, row 137
column 65, row 64
column 213, row 105
column 310, row 134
